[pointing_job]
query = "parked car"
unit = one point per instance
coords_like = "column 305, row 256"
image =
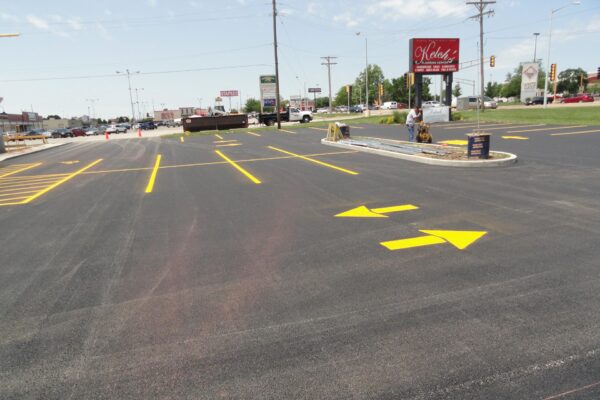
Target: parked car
column 323, row 110
column 356, row 109
column 535, row 100
column 341, row 109
column 61, row 133
column 580, row 98
column 472, row 102
column 116, row 129
column 91, row 131
column 76, row 132
column 427, row 104
column 34, row 132
column 147, row 126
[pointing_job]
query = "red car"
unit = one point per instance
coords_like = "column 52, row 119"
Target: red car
column 580, row 98
column 77, row 132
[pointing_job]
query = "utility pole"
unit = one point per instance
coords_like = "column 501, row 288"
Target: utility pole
column 276, row 64
column 481, row 5
column 130, row 94
column 137, row 101
column 329, row 64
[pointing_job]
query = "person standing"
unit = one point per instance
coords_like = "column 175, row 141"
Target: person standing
column 411, row 120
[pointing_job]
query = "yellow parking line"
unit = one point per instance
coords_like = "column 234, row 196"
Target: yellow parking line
column 473, row 126
column 574, row 133
column 519, row 126
column 347, row 171
column 12, row 172
column 229, row 145
column 318, row 129
column 547, row 129
column 225, row 141
column 219, row 136
column 60, row 182
column 153, row 175
column 357, row 127
column 236, row 166
column 181, row 139
column 286, row 131
column 12, row 202
column 253, row 134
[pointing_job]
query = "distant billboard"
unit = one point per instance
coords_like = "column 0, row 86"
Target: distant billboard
column 229, row 93
column 314, row 90
column 434, row 56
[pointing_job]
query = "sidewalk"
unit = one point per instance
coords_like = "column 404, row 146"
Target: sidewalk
column 28, row 150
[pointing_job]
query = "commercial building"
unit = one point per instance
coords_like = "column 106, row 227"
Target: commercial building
column 20, row 122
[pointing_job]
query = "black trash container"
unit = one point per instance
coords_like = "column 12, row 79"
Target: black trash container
column 478, row 145
column 345, row 130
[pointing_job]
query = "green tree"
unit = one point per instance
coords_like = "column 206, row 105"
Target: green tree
column 569, row 80
column 322, row 102
column 457, row 91
column 375, row 77
column 252, row 105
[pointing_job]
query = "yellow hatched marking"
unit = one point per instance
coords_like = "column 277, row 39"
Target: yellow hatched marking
column 17, row 170
column 347, row 171
column 26, row 184
column 236, row 166
column 60, row 182
column 150, row 186
column 253, row 134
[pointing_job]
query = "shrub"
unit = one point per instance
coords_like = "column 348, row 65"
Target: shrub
column 457, row 116
column 399, row 117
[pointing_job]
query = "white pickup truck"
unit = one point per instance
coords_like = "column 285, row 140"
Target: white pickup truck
column 292, row 114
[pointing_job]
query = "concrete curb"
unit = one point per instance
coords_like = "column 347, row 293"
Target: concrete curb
column 511, row 159
column 7, row 156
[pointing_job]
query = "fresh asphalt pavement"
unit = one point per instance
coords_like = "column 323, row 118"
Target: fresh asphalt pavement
column 193, row 277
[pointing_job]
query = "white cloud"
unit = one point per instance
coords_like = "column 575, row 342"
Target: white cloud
column 152, row 3
column 75, row 23
column 313, row 8
column 347, row 19
column 38, row 22
column 398, row 9
column 194, row 4
column 103, row 31
column 9, row 17
column 242, row 2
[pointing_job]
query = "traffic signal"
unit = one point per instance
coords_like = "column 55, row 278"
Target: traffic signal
column 598, row 73
column 348, row 88
column 412, row 78
column 553, row 72
column 492, row 61
column 381, row 89
column 409, row 78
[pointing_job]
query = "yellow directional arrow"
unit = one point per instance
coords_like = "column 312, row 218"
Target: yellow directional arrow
column 459, row 239
column 70, row 162
column 515, row 137
column 364, row 212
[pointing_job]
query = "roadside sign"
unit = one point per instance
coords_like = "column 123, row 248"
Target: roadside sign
column 229, row 93
column 314, row 90
column 268, row 90
column 529, row 80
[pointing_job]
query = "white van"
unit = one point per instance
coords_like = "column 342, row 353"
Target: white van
column 389, row 105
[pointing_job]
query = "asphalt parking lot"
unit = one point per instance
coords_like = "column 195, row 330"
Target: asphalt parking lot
column 266, row 265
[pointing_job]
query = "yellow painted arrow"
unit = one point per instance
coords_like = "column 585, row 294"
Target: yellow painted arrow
column 364, row 212
column 459, row 239
column 515, row 137
column 70, row 162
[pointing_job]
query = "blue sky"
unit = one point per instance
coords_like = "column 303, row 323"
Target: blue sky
column 228, row 44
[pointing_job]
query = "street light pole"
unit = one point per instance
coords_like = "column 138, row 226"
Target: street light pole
column 536, row 34
column 137, row 101
column 575, row 3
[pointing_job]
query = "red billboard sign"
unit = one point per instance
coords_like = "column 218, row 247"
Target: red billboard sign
column 229, row 93
column 434, row 56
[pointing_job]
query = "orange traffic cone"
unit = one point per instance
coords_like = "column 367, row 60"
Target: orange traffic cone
column 139, row 132
column 106, row 134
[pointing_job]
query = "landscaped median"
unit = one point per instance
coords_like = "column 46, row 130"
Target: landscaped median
column 431, row 154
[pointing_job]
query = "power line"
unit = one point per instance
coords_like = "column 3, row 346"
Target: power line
column 173, row 71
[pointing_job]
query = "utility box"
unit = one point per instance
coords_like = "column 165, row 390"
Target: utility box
column 478, row 145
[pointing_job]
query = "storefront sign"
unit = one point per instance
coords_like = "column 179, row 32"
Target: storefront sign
column 434, row 56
